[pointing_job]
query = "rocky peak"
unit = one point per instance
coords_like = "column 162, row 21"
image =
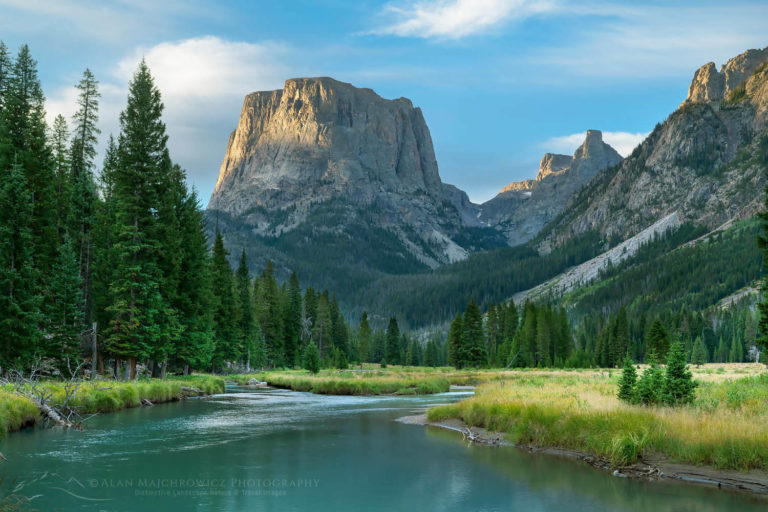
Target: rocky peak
column 709, row 84
column 552, row 163
column 523, row 208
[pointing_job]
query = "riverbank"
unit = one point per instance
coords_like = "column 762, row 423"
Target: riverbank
column 721, row 439
column 365, row 382
column 648, row 468
column 103, row 396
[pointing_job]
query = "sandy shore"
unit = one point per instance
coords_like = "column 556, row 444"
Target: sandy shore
column 650, row 468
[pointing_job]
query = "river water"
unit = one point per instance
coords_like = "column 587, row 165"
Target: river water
column 284, row 451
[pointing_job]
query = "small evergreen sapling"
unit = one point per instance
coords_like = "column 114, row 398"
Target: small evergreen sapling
column 311, row 358
column 651, row 383
column 628, row 382
column 678, row 380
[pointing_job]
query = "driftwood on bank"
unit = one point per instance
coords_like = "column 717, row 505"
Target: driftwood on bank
column 28, row 386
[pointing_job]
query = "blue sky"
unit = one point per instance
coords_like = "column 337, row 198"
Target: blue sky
column 500, row 81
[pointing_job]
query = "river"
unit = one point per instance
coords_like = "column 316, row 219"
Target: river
column 265, row 450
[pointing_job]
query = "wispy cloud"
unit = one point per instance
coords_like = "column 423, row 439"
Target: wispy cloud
column 623, row 142
column 454, row 19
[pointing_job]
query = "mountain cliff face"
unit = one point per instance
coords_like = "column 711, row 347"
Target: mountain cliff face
column 523, row 208
column 705, row 162
column 324, row 167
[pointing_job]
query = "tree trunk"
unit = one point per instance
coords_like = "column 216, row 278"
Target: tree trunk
column 117, row 368
column 163, row 368
column 94, row 351
column 248, row 362
column 132, row 368
column 186, row 369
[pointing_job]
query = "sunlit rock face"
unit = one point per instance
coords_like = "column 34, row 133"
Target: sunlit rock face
column 523, row 208
column 319, row 146
column 709, row 84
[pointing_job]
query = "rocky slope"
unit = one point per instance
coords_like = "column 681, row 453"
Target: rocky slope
column 706, row 161
column 327, row 168
column 523, row 208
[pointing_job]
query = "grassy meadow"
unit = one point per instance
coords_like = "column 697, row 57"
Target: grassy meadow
column 726, row 427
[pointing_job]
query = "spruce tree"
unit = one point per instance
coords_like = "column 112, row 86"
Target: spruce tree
column 455, row 342
column 245, row 309
column 195, row 300
column 699, row 353
column 64, row 311
column 226, row 341
column 311, row 358
column 338, row 327
column 82, row 185
column 60, row 147
column 137, row 307
column 392, row 350
column 321, row 330
column 678, row 381
column 272, row 316
column 19, row 297
column 657, row 340
column 628, row 381
column 292, row 319
column 474, row 350
column 364, row 337
column 650, row 386
column 28, row 146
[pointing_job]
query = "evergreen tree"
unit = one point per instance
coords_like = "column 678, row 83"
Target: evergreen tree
column 136, row 305
column 657, row 339
column 5, row 72
column 628, row 382
column 59, row 146
column 82, row 187
column 736, row 354
column 271, row 316
column 699, row 353
column 245, row 309
column 364, row 337
column 226, row 340
column 311, row 358
column 259, row 354
column 293, row 321
column 64, row 310
column 27, row 145
column 543, row 337
column 338, row 327
column 321, row 330
column 456, row 342
column 19, row 300
column 195, row 300
column 651, row 384
column 431, row 358
column 620, row 338
column 678, row 380
column 392, row 350
column 473, row 351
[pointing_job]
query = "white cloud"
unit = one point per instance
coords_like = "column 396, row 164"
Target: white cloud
column 203, row 82
column 454, row 19
column 623, row 142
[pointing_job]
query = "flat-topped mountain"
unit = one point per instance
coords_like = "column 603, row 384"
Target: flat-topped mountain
column 326, row 168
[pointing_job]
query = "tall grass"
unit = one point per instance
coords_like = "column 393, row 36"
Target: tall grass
column 726, row 427
column 328, row 382
column 103, row 396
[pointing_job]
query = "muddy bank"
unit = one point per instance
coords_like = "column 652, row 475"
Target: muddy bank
column 655, row 467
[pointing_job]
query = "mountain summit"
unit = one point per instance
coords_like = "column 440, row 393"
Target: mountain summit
column 325, row 171
column 523, row 208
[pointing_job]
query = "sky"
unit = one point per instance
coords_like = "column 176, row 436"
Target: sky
column 500, row 82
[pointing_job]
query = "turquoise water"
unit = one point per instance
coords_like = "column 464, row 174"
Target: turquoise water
column 284, row 451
